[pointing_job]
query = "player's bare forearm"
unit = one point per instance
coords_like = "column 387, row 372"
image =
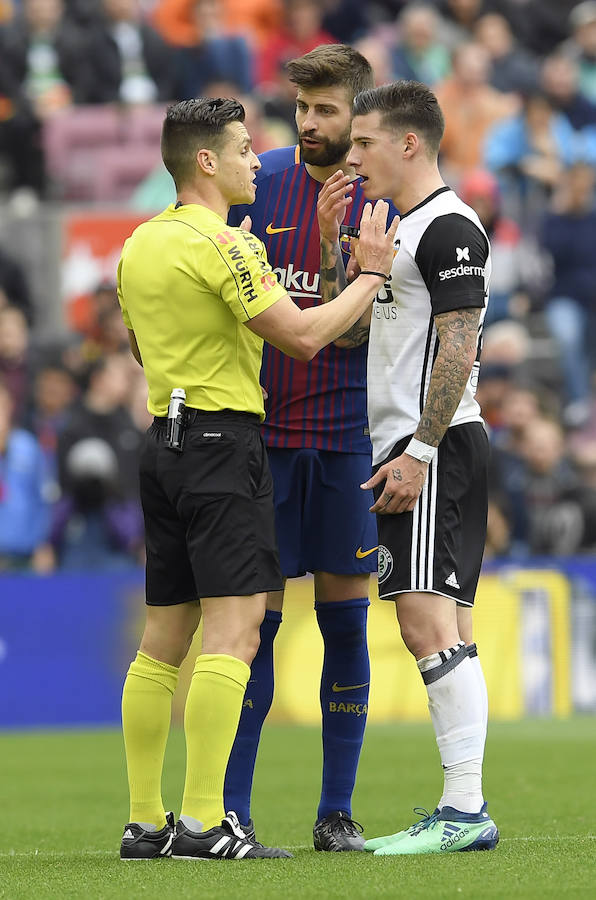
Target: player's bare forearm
column 458, row 341
column 333, row 275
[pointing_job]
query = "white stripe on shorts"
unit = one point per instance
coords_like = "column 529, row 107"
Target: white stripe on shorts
column 422, row 556
column 432, row 519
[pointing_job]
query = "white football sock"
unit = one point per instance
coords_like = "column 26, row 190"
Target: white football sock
column 473, row 654
column 456, row 711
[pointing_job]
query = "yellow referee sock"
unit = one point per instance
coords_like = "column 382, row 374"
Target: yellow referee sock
column 146, row 714
column 211, row 719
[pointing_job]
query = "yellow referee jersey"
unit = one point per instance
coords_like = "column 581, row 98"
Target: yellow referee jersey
column 186, row 284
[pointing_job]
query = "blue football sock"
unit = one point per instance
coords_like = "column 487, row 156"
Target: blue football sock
column 256, row 705
column 344, row 699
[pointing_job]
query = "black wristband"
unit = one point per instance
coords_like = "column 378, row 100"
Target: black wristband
column 380, row 274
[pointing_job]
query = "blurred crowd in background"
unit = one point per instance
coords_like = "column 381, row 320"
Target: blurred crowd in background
column 83, row 89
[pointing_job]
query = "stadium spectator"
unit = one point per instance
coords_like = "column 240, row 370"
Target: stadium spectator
column 21, row 152
column 127, row 59
column 377, row 52
column 539, row 26
column 14, row 288
column 428, row 436
column 513, row 69
column 518, row 276
column 216, row 55
column 471, row 107
column 44, row 70
column 302, row 30
column 346, row 20
column 15, row 359
column 94, row 528
column 418, row 53
column 560, row 510
column 98, row 318
column 458, row 20
column 54, row 392
column 529, row 152
column 24, row 508
column 560, row 83
column 101, row 412
column 582, row 46
column 85, row 312
column 520, row 407
column 45, row 52
column 259, row 20
column 569, row 235
column 505, row 358
column 198, row 297
column 318, row 452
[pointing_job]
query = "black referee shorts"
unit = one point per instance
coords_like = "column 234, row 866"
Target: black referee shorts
column 438, row 547
column 209, row 520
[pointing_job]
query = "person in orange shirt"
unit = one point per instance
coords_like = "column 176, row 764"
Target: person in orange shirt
column 260, row 20
column 470, row 106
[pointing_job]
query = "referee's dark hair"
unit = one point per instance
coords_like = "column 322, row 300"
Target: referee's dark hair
column 405, row 106
column 191, row 125
column 329, row 65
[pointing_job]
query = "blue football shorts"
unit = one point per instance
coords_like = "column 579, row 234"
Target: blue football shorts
column 322, row 516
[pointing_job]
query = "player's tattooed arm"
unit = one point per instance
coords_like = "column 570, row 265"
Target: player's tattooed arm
column 458, row 345
column 333, row 274
column 333, row 281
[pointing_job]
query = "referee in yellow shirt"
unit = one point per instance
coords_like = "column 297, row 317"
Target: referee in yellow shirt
column 198, row 298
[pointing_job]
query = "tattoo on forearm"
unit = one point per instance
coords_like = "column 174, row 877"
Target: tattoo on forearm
column 355, row 336
column 458, row 341
column 333, row 273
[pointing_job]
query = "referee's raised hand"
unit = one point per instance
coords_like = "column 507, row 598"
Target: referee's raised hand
column 374, row 247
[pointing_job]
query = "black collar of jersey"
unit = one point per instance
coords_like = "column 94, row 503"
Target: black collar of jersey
column 430, row 197
column 179, row 203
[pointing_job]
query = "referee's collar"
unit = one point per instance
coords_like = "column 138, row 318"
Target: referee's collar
column 426, row 200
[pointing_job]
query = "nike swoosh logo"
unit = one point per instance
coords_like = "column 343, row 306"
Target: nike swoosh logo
column 271, row 230
column 360, row 553
column 336, row 688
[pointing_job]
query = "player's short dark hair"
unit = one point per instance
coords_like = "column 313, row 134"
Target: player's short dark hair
column 192, row 125
column 405, row 106
column 329, row 65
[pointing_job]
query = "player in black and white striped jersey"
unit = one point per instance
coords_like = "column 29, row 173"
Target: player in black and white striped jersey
column 430, row 449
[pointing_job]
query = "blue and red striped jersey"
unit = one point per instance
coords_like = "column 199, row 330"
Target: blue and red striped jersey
column 320, row 404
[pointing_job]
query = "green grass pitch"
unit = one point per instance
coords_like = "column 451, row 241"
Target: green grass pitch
column 63, row 805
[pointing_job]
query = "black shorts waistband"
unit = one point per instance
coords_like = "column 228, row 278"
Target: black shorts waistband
column 205, row 416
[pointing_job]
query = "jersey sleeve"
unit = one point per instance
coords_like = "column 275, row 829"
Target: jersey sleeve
column 239, row 271
column 451, row 256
